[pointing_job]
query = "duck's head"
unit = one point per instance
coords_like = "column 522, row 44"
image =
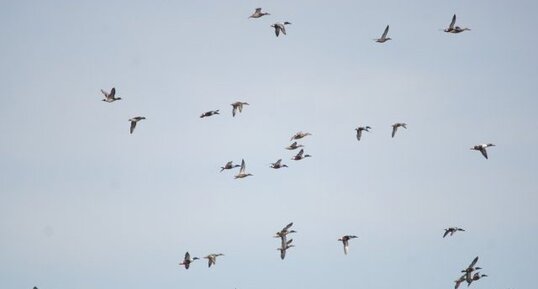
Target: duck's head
column 307, row 156
column 490, row 145
column 287, row 23
column 195, row 258
column 284, row 166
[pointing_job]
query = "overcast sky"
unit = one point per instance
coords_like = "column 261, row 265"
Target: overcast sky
column 85, row 205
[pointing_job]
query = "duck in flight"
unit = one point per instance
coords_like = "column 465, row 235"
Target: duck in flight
column 482, row 148
column 280, row 27
column 452, row 230
column 228, row 166
column 212, row 259
column 134, row 121
column 293, row 146
column 299, row 156
column 360, row 129
column 345, row 240
column 187, row 260
column 237, row 106
column 242, row 173
column 384, row 37
column 110, row 97
column 396, row 126
column 209, row 113
column 258, row 13
column 278, row 165
column 455, row 29
column 300, row 135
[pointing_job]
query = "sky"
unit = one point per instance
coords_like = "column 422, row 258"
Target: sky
column 84, row 204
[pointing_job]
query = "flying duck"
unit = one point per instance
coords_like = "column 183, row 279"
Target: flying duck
column 280, row 27
column 360, row 129
column 242, row 173
column 278, row 165
column 452, row 230
column 300, row 135
column 396, row 126
column 345, row 241
column 293, row 146
column 284, row 248
column 454, row 29
column 238, row 105
column 133, row 121
column 300, row 156
column 384, row 36
column 109, row 97
column 187, row 260
column 228, row 166
column 209, row 113
column 212, row 259
column 258, row 13
column 482, row 148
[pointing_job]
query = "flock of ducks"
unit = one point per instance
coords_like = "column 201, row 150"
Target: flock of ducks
column 285, row 243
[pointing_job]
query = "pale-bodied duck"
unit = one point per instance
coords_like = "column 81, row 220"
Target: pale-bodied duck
column 212, row 259
column 455, row 29
column 360, row 129
column 294, row 146
column 258, row 13
column 242, row 173
column 187, row 260
column 299, row 156
column 452, row 230
column 209, row 113
column 300, row 135
column 482, row 148
column 345, row 242
column 278, row 164
column 110, row 97
column 237, row 106
column 134, row 121
column 228, row 166
column 280, row 27
column 384, row 37
column 396, row 126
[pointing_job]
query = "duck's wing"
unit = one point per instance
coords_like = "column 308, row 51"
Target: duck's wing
column 359, row 134
column 242, row 169
column 258, row 10
column 300, row 154
column 475, row 260
column 283, row 28
column 394, row 129
column 104, row 93
column 234, row 108
column 277, row 164
column 112, row 92
column 187, row 256
column 277, row 30
column 451, row 26
column 287, row 227
column 446, row 233
column 133, row 125
column 346, row 245
column 228, row 164
column 484, row 152
column 385, row 33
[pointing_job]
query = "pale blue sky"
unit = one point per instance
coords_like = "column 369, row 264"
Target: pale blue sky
column 83, row 204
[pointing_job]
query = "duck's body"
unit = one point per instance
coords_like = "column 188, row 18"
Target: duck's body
column 455, row 29
column 110, row 97
column 299, row 156
column 237, row 106
column 384, row 37
column 452, row 230
column 300, row 135
column 209, row 113
column 278, row 164
column 212, row 259
column 294, row 146
column 396, row 126
column 280, row 27
column 482, row 148
column 228, row 166
column 285, row 246
column 187, row 260
column 471, row 266
column 242, row 173
column 360, row 129
column 134, row 121
column 258, row 13
column 345, row 241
